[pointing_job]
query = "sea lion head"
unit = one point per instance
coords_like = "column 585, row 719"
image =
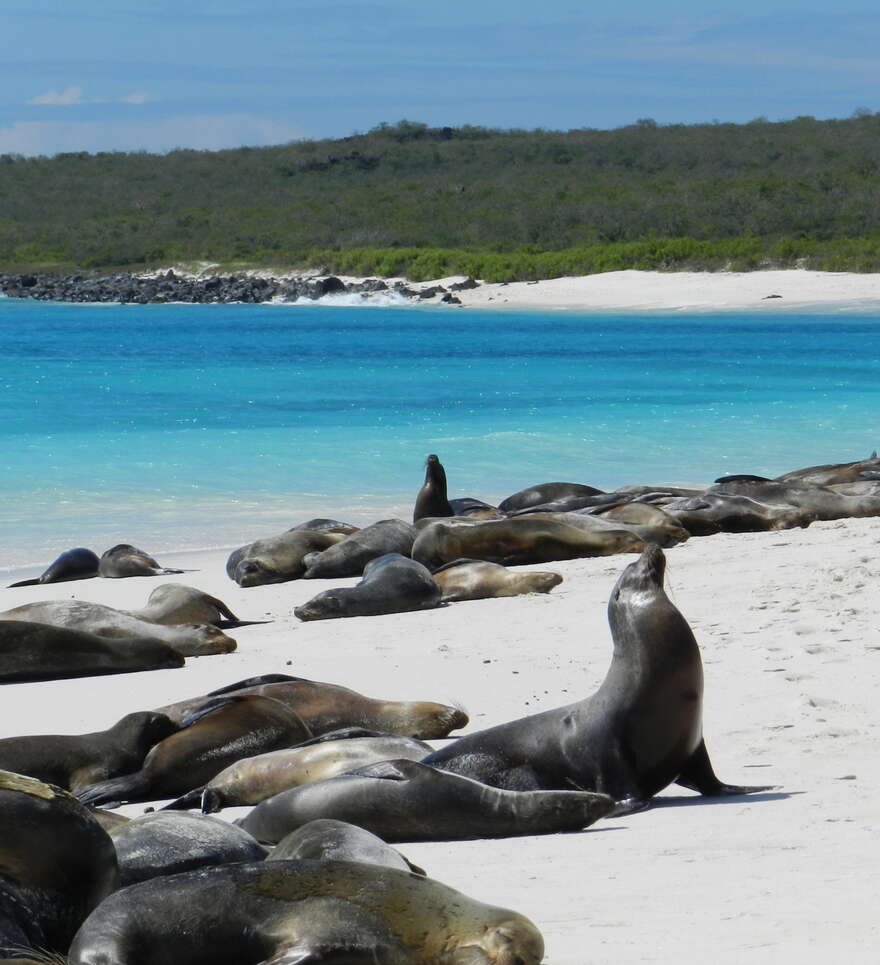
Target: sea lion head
column 324, row 606
column 514, row 941
column 426, row 720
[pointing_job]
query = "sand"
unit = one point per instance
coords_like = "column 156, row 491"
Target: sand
column 790, row 635
column 685, row 291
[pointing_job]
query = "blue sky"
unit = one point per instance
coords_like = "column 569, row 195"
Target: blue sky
column 104, row 75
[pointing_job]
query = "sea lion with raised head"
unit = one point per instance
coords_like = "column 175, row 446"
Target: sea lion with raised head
column 223, row 731
column 167, row 843
column 74, row 761
column 253, row 779
column 125, row 560
column 188, row 639
column 327, row 840
column 432, row 499
column 520, row 540
column 278, row 559
column 408, row 801
column 391, row 584
column 344, row 912
column 76, row 564
column 36, row 651
column 639, row 732
column 479, row 580
column 349, row 557
column 328, row 707
column 56, row 864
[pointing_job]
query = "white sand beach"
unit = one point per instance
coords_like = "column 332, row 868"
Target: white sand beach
column 771, row 291
column 790, row 636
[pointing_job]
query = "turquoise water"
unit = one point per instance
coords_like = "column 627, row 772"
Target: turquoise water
column 189, row 426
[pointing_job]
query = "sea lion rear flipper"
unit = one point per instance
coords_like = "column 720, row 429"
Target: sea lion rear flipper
column 235, row 624
column 112, row 793
column 34, row 582
column 191, row 799
column 344, row 733
column 698, row 775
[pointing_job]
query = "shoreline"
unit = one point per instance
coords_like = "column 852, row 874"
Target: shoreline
column 772, row 291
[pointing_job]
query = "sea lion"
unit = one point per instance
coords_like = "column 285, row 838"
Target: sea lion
column 328, row 707
column 344, row 912
column 349, row 557
column 432, row 498
column 75, row 761
column 572, row 504
column 125, row 560
column 408, row 801
column 842, row 472
column 56, row 864
column 221, row 732
column 35, row 651
column 76, row 564
column 520, row 540
column 639, row 732
column 391, row 584
column 326, row 840
column 173, row 603
column 188, row 639
column 480, row 580
column 545, row 493
column 742, row 477
column 324, row 525
column 713, row 512
column 167, row 843
column 253, row 779
column 475, row 508
column 647, row 522
column 821, row 502
column 277, row 559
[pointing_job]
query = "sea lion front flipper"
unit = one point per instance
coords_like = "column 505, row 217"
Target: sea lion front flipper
column 399, row 770
column 697, row 774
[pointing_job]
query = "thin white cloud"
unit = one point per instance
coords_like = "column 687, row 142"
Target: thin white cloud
column 73, row 96
column 54, row 98
column 199, row 132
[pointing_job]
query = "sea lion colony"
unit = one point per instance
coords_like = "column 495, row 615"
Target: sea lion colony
column 311, row 757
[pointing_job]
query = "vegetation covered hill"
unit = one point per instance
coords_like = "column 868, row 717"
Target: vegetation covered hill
column 496, row 204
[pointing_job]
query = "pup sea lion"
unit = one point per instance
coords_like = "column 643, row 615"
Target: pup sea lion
column 479, row 580
column 173, row 603
column 76, row 564
column 75, row 761
column 125, row 560
column 328, row 707
column 545, row 493
column 349, row 557
column 520, row 540
column 432, row 498
column 344, row 912
column 213, row 737
column 391, row 584
column 35, row 651
column 642, row 729
column 188, row 639
column 167, row 843
column 253, row 779
column 56, row 864
column 326, row 840
column 277, row 559
column 408, row 801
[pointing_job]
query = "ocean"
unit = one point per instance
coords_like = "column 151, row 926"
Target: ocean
column 179, row 427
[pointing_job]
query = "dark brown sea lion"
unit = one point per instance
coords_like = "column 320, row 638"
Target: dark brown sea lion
column 432, row 499
column 278, row 559
column 35, row 651
column 169, row 842
column 327, row 840
column 125, row 560
column 328, row 707
column 210, row 739
column 188, row 639
column 479, row 580
column 821, row 502
column 642, row 729
column 391, row 584
column 349, row 557
column 725, row 512
column 521, row 540
column 75, row 564
column 340, row 912
column 545, row 493
column 842, row 472
column 408, row 801
column 56, row 864
column 253, row 779
column 74, row 761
